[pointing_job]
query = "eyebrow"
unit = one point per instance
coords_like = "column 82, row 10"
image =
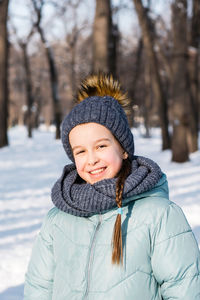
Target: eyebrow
column 97, row 141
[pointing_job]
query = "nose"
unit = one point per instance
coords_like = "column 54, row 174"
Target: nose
column 92, row 158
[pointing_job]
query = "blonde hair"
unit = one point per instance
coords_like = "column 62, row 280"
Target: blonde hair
column 117, row 245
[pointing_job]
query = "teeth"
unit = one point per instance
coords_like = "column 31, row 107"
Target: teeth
column 97, row 171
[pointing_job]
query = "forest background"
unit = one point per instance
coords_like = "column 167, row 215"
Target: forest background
column 47, row 47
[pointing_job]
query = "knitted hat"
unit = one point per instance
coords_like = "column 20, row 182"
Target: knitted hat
column 104, row 110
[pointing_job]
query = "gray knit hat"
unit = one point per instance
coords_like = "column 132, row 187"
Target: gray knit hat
column 102, row 110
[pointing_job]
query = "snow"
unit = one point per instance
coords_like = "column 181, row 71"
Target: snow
column 29, row 168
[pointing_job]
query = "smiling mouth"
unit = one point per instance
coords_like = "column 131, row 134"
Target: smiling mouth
column 98, row 171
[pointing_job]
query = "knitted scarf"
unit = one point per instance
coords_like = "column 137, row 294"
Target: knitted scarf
column 83, row 199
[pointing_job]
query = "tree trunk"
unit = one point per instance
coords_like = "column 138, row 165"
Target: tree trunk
column 54, row 82
column 180, row 95
column 3, row 73
column 148, row 39
column 135, row 78
column 104, row 39
column 71, row 40
column 37, row 96
column 113, row 46
column 147, row 100
column 193, row 82
column 29, row 96
column 192, row 132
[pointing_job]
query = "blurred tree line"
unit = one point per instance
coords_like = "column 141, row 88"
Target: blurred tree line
column 157, row 63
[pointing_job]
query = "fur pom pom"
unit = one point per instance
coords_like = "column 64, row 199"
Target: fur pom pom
column 103, row 85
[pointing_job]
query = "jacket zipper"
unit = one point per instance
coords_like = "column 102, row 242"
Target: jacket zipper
column 89, row 266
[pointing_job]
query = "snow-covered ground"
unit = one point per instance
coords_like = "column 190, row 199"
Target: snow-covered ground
column 28, row 169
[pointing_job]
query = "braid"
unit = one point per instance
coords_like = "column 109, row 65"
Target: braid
column 117, row 247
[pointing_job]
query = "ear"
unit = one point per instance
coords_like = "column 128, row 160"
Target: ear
column 125, row 155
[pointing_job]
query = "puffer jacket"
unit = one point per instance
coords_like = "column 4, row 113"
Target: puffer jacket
column 71, row 258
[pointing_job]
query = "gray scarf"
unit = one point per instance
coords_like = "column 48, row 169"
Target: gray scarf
column 83, row 199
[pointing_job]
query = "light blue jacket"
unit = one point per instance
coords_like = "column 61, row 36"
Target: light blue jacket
column 71, row 258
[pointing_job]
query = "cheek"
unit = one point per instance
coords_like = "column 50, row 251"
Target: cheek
column 114, row 159
column 79, row 164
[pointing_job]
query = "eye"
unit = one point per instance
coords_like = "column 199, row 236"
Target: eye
column 101, row 146
column 79, row 152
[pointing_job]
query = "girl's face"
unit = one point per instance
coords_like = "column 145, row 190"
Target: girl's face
column 98, row 155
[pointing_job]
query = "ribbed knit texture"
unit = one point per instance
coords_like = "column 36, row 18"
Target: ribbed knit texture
column 84, row 199
column 102, row 110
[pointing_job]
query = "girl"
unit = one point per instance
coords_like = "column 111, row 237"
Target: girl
column 113, row 233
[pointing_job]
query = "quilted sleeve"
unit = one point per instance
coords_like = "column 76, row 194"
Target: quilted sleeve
column 40, row 273
column 176, row 257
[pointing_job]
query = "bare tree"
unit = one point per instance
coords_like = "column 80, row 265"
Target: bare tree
column 135, row 75
column 193, row 84
column 3, row 73
column 148, row 34
column 71, row 48
column 147, row 98
column 23, row 43
column 16, row 85
column 28, row 84
column 104, row 39
column 180, row 95
column 169, row 54
column 38, row 7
